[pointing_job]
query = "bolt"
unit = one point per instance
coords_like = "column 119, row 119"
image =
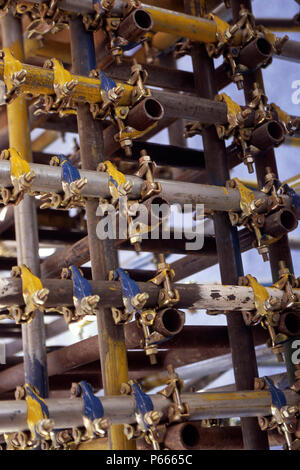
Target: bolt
column 153, row 359
column 273, row 301
column 137, row 247
column 258, row 202
column 19, row 393
column 259, row 383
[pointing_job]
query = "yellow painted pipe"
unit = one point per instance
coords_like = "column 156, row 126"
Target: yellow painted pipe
column 40, row 81
column 43, row 140
column 47, row 48
column 181, row 25
column 17, row 116
column 94, row 444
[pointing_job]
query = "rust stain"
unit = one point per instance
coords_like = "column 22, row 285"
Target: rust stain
column 215, row 295
column 231, row 297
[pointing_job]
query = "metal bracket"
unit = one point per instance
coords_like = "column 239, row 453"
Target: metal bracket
column 118, row 185
column 146, row 170
column 147, row 418
column 269, row 310
column 138, row 79
column 284, row 417
column 21, row 177
column 109, row 21
column 38, row 420
column 254, row 211
column 63, row 84
column 133, row 299
column 110, row 94
column 178, row 411
column 46, row 18
column 72, row 185
column 14, row 75
column 34, row 295
column 85, row 302
column 167, row 295
column 93, row 412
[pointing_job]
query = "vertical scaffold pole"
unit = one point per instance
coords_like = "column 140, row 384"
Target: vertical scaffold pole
column 103, row 255
column 33, row 334
column 228, row 249
column 279, row 251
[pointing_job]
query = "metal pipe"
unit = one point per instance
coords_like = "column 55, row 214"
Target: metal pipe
column 279, row 223
column 135, row 25
column 67, row 413
column 228, row 249
column 40, row 81
column 192, row 435
column 289, row 323
column 181, row 25
column 146, row 113
column 198, row 296
column 33, row 334
column 169, row 321
column 183, row 436
column 256, row 53
column 48, row 179
column 114, row 369
column 269, row 134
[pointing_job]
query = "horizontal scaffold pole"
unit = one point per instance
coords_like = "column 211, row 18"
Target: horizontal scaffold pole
column 48, row 179
column 67, row 413
column 166, row 21
column 198, row 296
column 40, row 81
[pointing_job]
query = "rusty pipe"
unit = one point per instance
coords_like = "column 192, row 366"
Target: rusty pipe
column 183, row 436
column 289, row 323
column 193, row 436
column 158, row 209
column 169, row 321
column 269, row 134
column 146, row 113
column 280, row 222
column 140, row 117
column 256, row 53
column 135, row 25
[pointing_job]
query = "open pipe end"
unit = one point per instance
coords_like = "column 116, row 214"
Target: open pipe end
column 184, row 436
column 135, row 25
column 190, row 436
column 256, row 53
column 145, row 113
column 280, row 222
column 269, row 134
column 153, row 109
column 288, row 220
column 264, row 47
column 143, row 19
column 290, row 323
column 169, row 322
